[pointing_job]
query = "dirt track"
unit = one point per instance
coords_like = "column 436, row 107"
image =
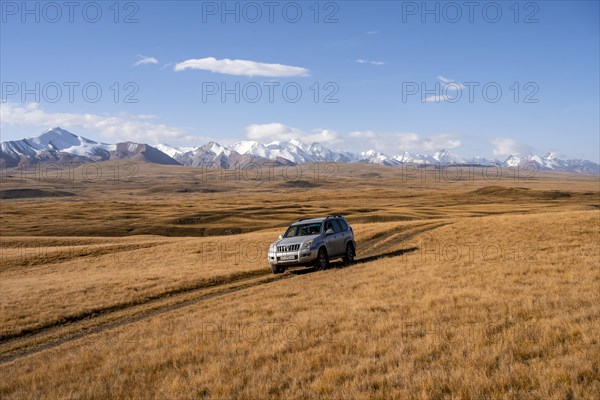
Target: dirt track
column 45, row 337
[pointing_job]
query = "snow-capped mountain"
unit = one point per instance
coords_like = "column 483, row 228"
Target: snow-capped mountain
column 375, row 157
column 281, row 152
column 60, row 145
column 296, row 152
column 439, row 157
column 141, row 152
column 55, row 140
column 293, row 151
column 213, row 154
column 173, row 151
column 551, row 161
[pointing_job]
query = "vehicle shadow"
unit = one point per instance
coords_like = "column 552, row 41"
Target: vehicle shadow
column 340, row 264
column 394, row 253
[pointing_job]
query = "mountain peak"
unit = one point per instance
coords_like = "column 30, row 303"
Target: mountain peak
column 551, row 156
column 57, row 131
column 57, row 139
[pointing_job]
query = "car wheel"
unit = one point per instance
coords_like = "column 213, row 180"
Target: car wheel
column 277, row 269
column 349, row 256
column 322, row 260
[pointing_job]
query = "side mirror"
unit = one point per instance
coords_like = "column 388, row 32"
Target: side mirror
column 329, row 232
column 280, row 237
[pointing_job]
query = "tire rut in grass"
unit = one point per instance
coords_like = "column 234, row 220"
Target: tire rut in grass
column 51, row 336
column 35, row 340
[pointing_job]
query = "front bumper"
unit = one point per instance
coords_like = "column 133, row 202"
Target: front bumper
column 298, row 257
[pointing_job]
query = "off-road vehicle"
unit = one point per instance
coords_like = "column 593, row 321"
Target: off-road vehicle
column 313, row 242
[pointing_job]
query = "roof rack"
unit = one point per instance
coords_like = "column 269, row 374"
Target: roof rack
column 329, row 216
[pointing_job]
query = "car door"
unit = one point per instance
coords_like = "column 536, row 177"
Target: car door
column 331, row 241
column 337, row 239
column 345, row 234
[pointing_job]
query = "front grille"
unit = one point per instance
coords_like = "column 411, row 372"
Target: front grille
column 289, row 247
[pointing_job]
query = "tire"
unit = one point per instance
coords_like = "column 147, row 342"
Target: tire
column 277, row 269
column 322, row 260
column 349, row 255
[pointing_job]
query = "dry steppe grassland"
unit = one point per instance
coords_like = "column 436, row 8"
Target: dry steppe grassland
column 149, row 281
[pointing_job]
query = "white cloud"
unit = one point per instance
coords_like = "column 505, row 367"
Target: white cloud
column 241, row 67
column 508, row 146
column 325, row 136
column 362, row 134
column 451, row 84
column 448, row 85
column 363, row 61
column 142, row 60
column 395, row 142
column 276, row 131
column 272, row 131
column 436, row 98
column 388, row 142
column 120, row 127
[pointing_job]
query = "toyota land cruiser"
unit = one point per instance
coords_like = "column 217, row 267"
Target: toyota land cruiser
column 315, row 242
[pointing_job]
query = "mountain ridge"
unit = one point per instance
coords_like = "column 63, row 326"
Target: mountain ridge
column 59, row 145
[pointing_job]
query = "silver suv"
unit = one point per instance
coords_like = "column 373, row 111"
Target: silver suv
column 313, row 242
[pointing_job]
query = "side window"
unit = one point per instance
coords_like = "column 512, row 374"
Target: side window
column 336, row 226
column 343, row 224
column 328, row 226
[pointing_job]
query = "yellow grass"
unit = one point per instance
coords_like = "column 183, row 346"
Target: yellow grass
column 461, row 290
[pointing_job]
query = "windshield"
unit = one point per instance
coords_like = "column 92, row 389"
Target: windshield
column 303, row 230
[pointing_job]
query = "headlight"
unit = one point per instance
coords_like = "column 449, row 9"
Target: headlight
column 307, row 245
column 272, row 247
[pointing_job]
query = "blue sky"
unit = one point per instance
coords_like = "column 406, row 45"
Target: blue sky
column 375, row 58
